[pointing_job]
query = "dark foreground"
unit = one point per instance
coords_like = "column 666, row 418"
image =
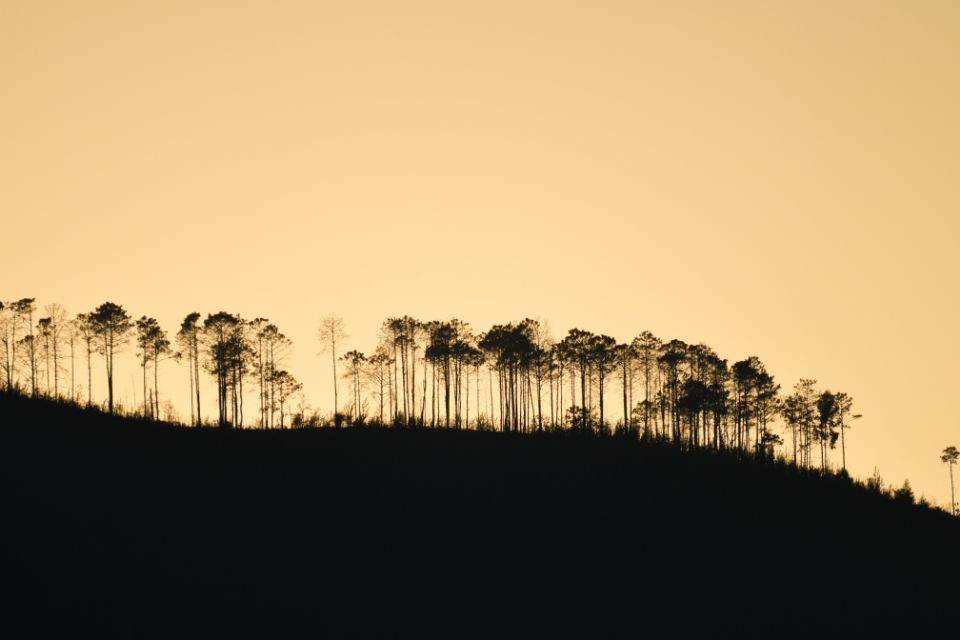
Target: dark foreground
column 123, row 526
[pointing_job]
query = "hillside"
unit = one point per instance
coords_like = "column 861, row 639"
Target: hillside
column 110, row 520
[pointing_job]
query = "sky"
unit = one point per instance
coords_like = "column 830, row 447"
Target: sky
column 775, row 179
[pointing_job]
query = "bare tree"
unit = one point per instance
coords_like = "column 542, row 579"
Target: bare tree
column 57, row 317
column 330, row 333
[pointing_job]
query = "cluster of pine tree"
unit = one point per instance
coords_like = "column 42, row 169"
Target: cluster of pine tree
column 519, row 379
column 512, row 377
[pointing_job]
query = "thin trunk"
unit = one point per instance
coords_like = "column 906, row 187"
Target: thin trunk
column 196, row 375
column 108, row 356
column 333, row 355
column 89, row 375
column 626, row 417
column 56, row 360
column 423, row 400
column 143, row 365
column 490, row 386
column 843, row 445
column 73, row 382
column 156, row 383
column 953, row 500
column 190, row 392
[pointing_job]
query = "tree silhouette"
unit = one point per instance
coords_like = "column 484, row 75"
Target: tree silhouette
column 950, row 457
column 330, row 333
column 827, row 411
column 13, row 316
column 355, row 361
column 71, row 329
column 188, row 337
column 159, row 347
column 111, row 323
column 844, row 407
column 224, row 341
column 673, row 356
column 577, row 347
column 145, row 329
column 604, row 357
column 88, row 334
column 286, row 387
column 450, row 347
column 403, row 335
column 510, row 348
column 797, row 413
column 904, row 494
column 689, row 397
column 746, row 376
column 44, row 335
column 647, row 348
column 8, row 341
column 27, row 354
column 56, row 323
column 623, row 354
column 378, row 371
column 23, row 315
column 439, row 352
column 767, row 404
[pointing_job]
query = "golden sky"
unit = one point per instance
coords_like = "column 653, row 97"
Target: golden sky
column 771, row 178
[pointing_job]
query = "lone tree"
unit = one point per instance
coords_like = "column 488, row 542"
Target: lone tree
column 111, row 323
column 950, row 457
column 331, row 332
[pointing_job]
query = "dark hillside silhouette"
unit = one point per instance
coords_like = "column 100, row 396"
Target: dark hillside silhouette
column 129, row 524
column 690, row 395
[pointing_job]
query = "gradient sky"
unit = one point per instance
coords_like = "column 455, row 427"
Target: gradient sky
column 776, row 179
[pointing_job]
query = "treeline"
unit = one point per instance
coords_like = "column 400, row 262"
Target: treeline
column 512, row 377
column 650, row 388
column 39, row 358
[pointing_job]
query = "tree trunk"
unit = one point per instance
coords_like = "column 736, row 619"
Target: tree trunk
column 156, row 383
